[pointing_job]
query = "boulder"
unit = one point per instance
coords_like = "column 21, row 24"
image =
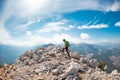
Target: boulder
column 42, row 64
column 70, row 77
column 26, row 61
column 35, row 57
column 56, row 64
column 5, row 66
column 74, row 68
column 52, row 54
column 85, row 67
column 1, row 78
column 31, row 62
column 114, row 72
column 55, row 71
column 77, row 78
column 37, row 70
column 82, row 60
column 2, row 70
column 93, row 61
column 63, row 76
column 54, row 78
column 75, row 55
column 89, row 71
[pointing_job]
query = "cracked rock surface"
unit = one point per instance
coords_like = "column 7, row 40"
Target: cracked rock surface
column 51, row 64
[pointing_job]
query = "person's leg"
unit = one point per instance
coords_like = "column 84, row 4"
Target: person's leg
column 67, row 51
column 63, row 49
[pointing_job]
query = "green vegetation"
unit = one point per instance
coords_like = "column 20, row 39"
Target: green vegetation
column 101, row 65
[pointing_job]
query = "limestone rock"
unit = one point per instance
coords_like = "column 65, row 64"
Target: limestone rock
column 74, row 68
column 1, row 78
column 85, row 67
column 63, row 76
column 70, row 77
column 83, row 60
column 55, row 71
column 37, row 70
column 51, row 64
column 77, row 78
column 54, row 78
column 35, row 57
column 75, row 55
column 114, row 72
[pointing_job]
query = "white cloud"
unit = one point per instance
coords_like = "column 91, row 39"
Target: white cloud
column 114, row 7
column 4, row 34
column 22, row 27
column 35, row 39
column 71, row 26
column 105, row 40
column 41, row 7
column 29, row 8
column 55, row 26
column 98, row 26
column 52, row 26
column 84, row 36
column 117, row 24
column 44, row 8
column 28, row 33
column 59, row 37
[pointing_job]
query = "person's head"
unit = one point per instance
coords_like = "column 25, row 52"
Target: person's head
column 63, row 39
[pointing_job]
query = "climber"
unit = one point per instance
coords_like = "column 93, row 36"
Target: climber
column 66, row 47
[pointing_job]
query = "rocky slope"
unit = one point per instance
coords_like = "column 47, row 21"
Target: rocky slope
column 51, row 64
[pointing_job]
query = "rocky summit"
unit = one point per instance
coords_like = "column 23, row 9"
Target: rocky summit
column 52, row 64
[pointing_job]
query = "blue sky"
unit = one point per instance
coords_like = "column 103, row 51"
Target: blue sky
column 31, row 22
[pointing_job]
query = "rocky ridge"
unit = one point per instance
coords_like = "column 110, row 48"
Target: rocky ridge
column 51, row 64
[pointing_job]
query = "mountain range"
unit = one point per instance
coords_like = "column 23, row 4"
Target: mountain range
column 9, row 53
column 52, row 64
column 101, row 52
